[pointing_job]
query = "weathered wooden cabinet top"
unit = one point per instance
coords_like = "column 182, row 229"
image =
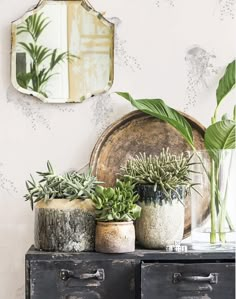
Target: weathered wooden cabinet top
column 144, row 274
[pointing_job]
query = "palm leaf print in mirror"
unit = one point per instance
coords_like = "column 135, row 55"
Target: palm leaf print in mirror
column 43, row 61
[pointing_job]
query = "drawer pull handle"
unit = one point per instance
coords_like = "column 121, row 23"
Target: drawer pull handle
column 211, row 278
column 66, row 274
column 100, row 275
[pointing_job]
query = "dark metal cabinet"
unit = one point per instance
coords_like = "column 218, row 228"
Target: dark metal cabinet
column 146, row 274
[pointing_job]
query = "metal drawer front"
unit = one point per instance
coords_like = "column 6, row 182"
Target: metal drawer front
column 188, row 281
column 82, row 279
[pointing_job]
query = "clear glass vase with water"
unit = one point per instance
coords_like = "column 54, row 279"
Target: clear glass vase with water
column 213, row 203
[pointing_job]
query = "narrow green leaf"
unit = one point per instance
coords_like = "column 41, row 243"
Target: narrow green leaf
column 49, row 166
column 21, row 31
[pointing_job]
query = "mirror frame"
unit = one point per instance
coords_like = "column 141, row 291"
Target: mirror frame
column 34, row 10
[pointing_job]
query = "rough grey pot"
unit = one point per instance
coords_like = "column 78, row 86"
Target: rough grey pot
column 161, row 222
column 66, row 226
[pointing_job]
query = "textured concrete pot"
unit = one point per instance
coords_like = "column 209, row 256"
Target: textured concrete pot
column 115, row 237
column 63, row 225
column 161, row 222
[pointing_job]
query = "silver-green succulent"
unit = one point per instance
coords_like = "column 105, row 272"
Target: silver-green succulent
column 72, row 185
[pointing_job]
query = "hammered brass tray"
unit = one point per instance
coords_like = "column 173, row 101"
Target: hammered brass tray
column 138, row 132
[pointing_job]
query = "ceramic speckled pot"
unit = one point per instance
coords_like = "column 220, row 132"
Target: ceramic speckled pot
column 115, row 237
column 161, row 222
column 64, row 225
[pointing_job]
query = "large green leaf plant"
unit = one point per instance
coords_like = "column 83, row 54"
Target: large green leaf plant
column 43, row 60
column 219, row 136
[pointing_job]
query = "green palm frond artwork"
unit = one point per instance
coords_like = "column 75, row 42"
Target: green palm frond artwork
column 43, row 60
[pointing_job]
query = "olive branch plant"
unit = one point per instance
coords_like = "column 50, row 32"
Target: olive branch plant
column 219, row 137
column 39, row 75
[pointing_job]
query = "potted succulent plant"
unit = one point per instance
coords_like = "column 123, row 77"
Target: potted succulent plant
column 220, row 141
column 64, row 211
column 162, row 183
column 116, row 209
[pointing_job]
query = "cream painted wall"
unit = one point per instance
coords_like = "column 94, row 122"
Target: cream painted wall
column 170, row 49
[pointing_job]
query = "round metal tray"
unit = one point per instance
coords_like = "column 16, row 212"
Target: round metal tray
column 138, row 132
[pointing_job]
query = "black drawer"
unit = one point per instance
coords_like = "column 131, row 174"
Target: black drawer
column 110, row 279
column 188, row 281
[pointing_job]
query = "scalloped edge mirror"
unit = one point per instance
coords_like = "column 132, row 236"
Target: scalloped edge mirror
column 62, row 51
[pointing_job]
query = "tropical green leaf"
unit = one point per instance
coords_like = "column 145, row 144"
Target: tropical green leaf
column 226, row 83
column 39, row 73
column 37, row 53
column 21, row 31
column 23, row 79
column 42, row 53
column 35, row 81
column 219, row 136
column 158, row 109
column 57, row 58
column 34, row 25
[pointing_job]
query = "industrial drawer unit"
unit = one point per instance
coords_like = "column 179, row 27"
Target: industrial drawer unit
column 146, row 274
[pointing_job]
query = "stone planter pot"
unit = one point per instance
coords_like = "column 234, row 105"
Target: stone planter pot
column 161, row 222
column 63, row 225
column 115, row 237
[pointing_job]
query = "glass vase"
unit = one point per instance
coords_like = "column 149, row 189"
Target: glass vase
column 213, row 202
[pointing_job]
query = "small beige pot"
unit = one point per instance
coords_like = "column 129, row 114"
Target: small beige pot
column 115, row 237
